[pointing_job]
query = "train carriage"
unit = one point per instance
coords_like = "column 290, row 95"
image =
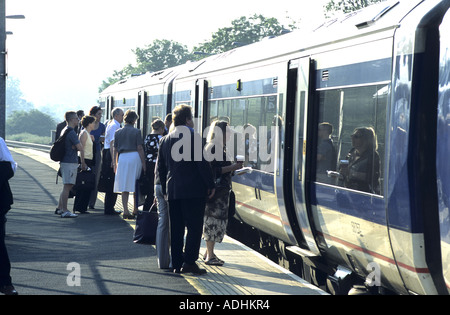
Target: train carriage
column 378, row 216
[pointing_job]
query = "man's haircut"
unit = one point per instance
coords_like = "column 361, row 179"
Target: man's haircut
column 116, row 111
column 181, row 114
column 69, row 115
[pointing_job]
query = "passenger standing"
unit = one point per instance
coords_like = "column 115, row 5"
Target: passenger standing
column 187, row 180
column 98, row 132
column 151, row 146
column 167, row 123
column 326, row 154
column 77, row 128
column 162, row 232
column 87, row 142
column 216, row 212
column 7, row 170
column 129, row 161
column 69, row 164
column 108, row 161
column 63, row 124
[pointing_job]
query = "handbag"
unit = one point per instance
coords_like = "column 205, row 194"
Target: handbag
column 85, row 180
column 106, row 182
column 221, row 189
column 145, row 184
column 146, row 226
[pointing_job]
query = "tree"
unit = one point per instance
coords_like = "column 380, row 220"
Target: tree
column 347, row 6
column 162, row 54
column 14, row 97
column 33, row 122
column 243, row 31
column 159, row 55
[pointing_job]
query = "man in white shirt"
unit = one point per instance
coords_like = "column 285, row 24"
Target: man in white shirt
column 108, row 160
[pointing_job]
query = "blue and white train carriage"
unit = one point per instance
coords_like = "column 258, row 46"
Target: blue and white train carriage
column 385, row 68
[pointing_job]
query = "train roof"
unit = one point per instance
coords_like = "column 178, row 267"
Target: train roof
column 383, row 16
column 147, row 79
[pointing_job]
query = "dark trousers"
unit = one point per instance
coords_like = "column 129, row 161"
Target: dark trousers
column 186, row 213
column 108, row 172
column 150, row 193
column 5, row 265
column 82, row 196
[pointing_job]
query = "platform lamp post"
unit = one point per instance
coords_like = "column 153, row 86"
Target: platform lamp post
column 3, row 73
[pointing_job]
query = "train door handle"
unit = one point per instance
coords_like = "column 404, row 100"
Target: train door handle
column 257, row 193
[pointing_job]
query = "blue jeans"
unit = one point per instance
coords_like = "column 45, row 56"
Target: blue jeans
column 162, row 233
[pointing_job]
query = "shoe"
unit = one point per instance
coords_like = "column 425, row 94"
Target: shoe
column 81, row 212
column 129, row 216
column 215, row 262
column 188, row 268
column 69, row 214
column 58, row 211
column 8, row 290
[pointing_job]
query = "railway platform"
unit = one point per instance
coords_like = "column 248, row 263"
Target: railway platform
column 94, row 254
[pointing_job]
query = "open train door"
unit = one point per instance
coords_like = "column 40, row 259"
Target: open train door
column 299, row 79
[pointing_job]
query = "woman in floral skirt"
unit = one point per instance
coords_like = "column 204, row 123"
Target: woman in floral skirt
column 216, row 211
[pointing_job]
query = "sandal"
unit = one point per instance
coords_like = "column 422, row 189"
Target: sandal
column 215, row 262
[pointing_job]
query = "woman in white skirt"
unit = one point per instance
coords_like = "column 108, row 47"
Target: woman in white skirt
column 129, row 161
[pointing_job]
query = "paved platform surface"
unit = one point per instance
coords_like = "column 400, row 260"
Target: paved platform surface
column 42, row 246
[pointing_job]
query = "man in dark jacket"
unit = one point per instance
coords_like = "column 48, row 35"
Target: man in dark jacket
column 186, row 181
column 7, row 168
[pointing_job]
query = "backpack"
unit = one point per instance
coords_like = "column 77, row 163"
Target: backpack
column 58, row 149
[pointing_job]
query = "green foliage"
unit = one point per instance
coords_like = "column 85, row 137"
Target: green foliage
column 31, row 138
column 159, row 55
column 243, row 31
column 162, row 54
column 14, row 97
column 34, row 122
column 347, row 6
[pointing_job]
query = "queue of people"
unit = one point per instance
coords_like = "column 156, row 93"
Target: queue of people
column 182, row 189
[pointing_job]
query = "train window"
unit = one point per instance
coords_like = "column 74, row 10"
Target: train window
column 252, row 119
column 181, row 97
column 351, row 135
column 155, row 109
column 125, row 103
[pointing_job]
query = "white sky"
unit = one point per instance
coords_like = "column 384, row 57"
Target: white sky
column 63, row 49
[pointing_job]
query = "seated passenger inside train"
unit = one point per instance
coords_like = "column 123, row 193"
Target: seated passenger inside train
column 362, row 171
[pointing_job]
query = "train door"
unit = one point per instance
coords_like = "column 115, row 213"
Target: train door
column 299, row 83
column 141, row 111
column 200, row 108
column 443, row 150
column 109, row 107
column 347, row 125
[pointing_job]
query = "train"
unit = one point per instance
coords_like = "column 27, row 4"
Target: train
column 385, row 68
